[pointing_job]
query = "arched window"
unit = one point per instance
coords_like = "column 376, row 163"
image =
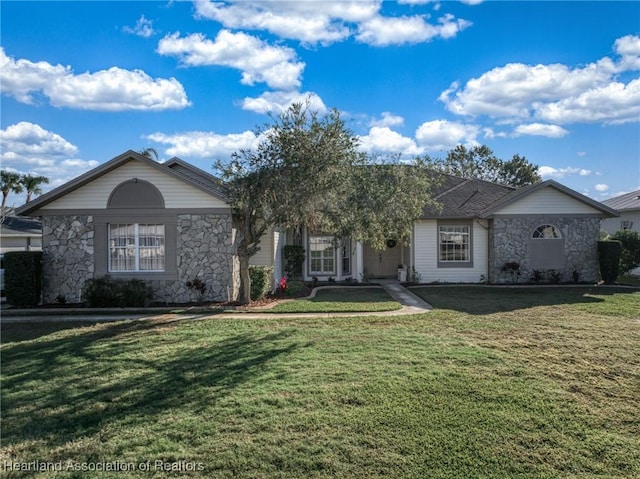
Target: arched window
column 135, row 193
column 546, row 232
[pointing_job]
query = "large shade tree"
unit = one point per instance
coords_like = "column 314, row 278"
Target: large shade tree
column 480, row 162
column 307, row 171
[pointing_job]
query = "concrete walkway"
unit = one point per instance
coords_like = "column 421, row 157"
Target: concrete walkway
column 411, row 304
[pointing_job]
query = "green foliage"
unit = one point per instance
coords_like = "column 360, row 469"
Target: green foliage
column 308, row 172
column 630, row 255
column 9, row 182
column 295, row 288
column 32, row 184
column 609, row 254
column 23, row 277
column 293, row 260
column 480, row 162
column 106, row 292
column 260, row 281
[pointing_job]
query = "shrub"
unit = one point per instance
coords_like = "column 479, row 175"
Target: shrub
column 134, row 293
column 295, row 288
column 260, row 277
column 106, row 292
column 293, row 260
column 23, row 277
column 609, row 253
column 630, row 255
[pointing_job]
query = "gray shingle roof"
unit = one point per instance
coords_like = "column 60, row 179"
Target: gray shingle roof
column 20, row 226
column 629, row 201
column 465, row 198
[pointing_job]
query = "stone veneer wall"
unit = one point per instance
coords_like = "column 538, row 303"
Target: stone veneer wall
column 205, row 250
column 510, row 238
column 67, row 245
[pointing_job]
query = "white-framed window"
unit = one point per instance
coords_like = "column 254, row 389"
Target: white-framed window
column 626, row 224
column 136, row 247
column 546, row 232
column 454, row 243
column 321, row 255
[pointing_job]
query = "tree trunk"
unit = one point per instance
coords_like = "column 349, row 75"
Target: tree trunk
column 245, row 279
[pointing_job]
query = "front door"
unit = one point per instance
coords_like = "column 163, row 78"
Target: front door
column 381, row 263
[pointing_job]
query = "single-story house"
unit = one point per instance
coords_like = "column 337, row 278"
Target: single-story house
column 169, row 223
column 628, row 205
column 20, row 233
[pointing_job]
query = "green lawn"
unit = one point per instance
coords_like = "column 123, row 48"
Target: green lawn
column 497, row 383
column 341, row 300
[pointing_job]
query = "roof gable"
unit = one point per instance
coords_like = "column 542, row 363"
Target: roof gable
column 105, row 169
column 547, row 197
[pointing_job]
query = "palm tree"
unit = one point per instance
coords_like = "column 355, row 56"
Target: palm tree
column 150, row 153
column 32, row 184
column 9, row 182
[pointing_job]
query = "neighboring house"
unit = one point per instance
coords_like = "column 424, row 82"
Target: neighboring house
column 628, row 206
column 169, row 223
column 18, row 233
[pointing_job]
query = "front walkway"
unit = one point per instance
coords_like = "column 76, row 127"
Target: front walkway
column 411, row 304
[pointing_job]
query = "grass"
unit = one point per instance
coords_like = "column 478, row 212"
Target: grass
column 495, row 383
column 341, row 300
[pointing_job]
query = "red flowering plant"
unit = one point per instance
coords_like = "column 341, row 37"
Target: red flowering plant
column 282, row 287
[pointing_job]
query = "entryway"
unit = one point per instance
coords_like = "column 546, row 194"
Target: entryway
column 382, row 263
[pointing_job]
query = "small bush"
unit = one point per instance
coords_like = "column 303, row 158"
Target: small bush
column 106, row 292
column 609, row 253
column 23, row 277
column 295, row 288
column 135, row 293
column 260, row 277
column 630, row 255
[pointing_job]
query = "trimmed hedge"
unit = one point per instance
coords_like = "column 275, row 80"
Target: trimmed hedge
column 260, row 277
column 609, row 253
column 23, row 277
column 106, row 292
column 630, row 256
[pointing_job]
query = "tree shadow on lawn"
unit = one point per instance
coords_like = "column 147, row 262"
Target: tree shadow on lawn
column 69, row 387
column 479, row 300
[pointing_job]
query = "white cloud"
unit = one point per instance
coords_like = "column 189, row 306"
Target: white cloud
column 443, row 135
column 388, row 119
column 205, row 144
column 28, row 148
column 259, row 62
column 382, row 139
column 601, row 188
column 614, row 103
column 279, row 101
column 554, row 93
column 328, row 22
column 551, row 172
column 540, row 129
column 383, row 31
column 143, row 28
column 25, row 139
column 114, row 89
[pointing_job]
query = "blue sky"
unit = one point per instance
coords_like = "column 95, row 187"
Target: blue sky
column 555, row 82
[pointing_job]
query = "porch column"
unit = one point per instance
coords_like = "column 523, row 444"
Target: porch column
column 358, row 267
